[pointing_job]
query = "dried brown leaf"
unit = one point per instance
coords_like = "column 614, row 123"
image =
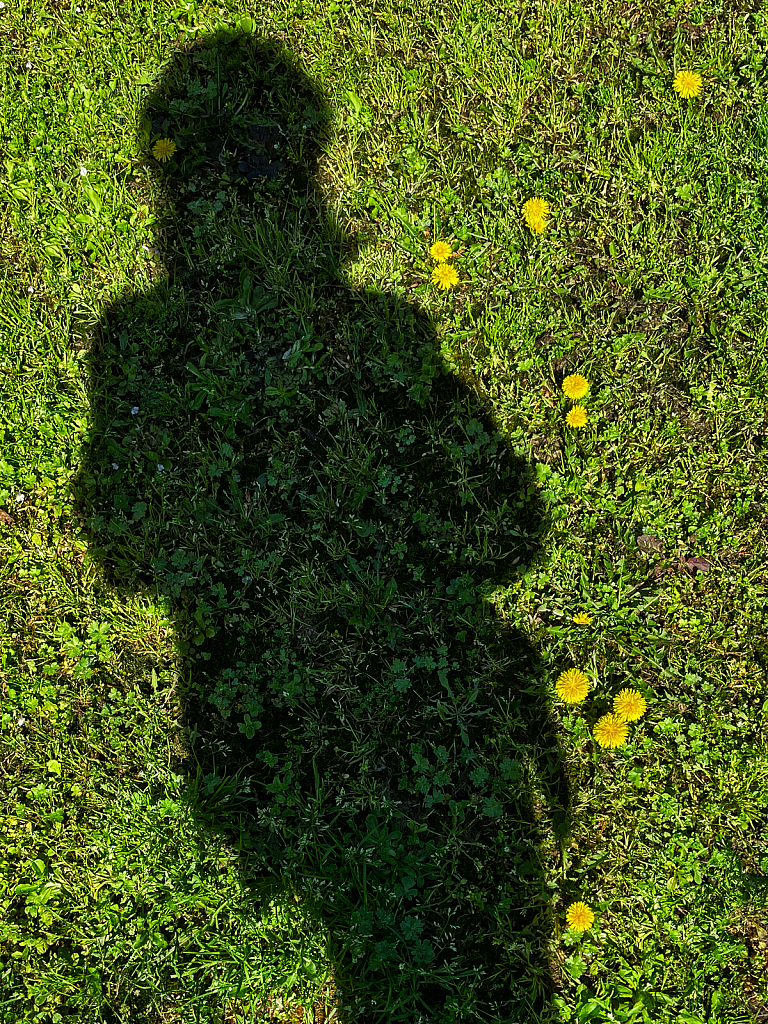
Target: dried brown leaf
column 648, row 543
column 699, row 562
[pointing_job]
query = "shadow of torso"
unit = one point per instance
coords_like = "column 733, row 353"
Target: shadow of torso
column 325, row 508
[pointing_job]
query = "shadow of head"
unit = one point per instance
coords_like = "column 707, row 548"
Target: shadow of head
column 247, row 128
column 284, row 460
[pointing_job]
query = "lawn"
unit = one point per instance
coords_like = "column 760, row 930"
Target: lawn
column 382, row 512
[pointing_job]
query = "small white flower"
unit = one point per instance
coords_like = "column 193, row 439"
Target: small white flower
column 29, row 64
column 30, row 289
column 160, row 467
column 2, row 5
column 20, row 498
column 115, row 466
column 134, row 410
column 21, row 720
column 83, row 172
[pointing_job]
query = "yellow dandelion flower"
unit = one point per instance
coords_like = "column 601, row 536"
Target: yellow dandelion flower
column 629, row 705
column 441, row 251
column 163, row 149
column 577, row 416
column 582, row 619
column 611, row 731
column 579, row 917
column 536, row 212
column 687, row 84
column 572, row 686
column 575, row 386
column 445, row 276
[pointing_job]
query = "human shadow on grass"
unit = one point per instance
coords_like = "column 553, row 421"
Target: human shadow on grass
column 326, row 509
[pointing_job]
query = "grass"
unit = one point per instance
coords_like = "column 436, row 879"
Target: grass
column 293, row 539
